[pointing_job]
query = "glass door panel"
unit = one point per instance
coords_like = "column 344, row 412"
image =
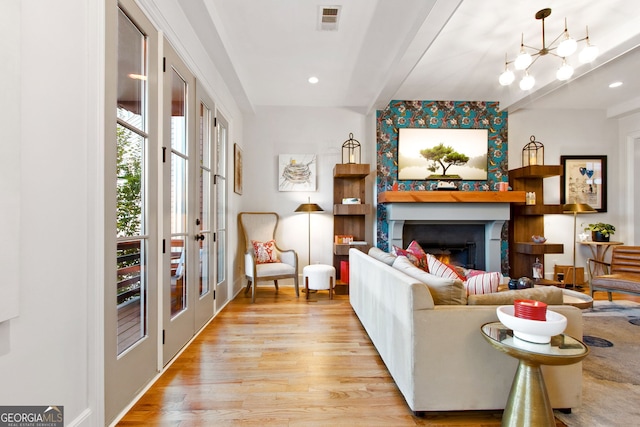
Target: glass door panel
column 220, row 220
column 178, row 234
column 204, row 304
column 180, row 254
column 131, row 214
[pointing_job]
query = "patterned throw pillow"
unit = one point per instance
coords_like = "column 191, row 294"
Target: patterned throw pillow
column 415, row 254
column 441, row 269
column 265, row 252
column 482, row 283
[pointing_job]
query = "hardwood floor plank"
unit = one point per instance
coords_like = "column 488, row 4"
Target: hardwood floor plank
column 284, row 361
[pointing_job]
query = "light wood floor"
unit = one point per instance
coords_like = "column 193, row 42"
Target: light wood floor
column 285, row 362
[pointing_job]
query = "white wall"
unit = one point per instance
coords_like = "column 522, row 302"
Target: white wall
column 282, row 130
column 565, row 132
column 629, row 134
column 48, row 362
column 9, row 166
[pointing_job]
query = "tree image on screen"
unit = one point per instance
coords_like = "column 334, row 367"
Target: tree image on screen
column 444, row 157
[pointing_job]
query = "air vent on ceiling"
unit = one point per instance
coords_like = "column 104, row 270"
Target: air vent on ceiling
column 328, row 18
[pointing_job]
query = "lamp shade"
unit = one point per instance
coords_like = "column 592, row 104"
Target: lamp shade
column 309, row 207
column 577, row 208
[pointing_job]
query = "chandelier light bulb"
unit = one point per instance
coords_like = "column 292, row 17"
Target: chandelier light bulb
column 527, row 82
column 564, row 72
column 588, row 54
column 507, row 77
column 523, row 60
column 568, row 45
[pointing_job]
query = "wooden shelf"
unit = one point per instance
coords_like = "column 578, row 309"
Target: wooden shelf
column 351, row 170
column 452, row 197
column 537, row 209
column 536, row 171
column 528, row 220
column 359, row 209
column 343, row 249
column 531, row 248
column 351, row 181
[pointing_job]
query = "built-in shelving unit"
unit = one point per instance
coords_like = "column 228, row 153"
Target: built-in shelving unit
column 528, row 220
column 350, row 181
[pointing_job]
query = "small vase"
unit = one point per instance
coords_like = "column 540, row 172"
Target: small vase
column 597, row 236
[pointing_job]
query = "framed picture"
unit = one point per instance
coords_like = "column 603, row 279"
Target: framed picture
column 297, row 172
column 584, row 181
column 237, row 169
column 442, row 154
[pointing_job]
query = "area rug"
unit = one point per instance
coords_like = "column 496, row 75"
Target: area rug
column 611, row 375
column 621, row 308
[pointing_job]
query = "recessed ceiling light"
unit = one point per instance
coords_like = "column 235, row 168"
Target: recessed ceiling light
column 313, row 80
column 615, row 84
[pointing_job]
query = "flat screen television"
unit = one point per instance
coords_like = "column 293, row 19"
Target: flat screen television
column 442, row 154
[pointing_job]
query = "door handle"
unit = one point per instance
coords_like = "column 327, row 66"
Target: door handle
column 199, row 237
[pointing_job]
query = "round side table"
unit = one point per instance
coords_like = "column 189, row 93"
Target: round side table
column 528, row 403
column 599, row 250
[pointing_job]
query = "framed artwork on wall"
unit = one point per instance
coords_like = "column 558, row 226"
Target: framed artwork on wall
column 297, row 172
column 237, row 169
column 584, row 181
column 449, row 154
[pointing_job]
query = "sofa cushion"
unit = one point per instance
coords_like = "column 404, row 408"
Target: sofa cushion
column 382, row 256
column 444, row 291
column 482, row 283
column 415, row 254
column 550, row 295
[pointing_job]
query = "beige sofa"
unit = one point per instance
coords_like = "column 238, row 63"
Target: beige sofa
column 436, row 353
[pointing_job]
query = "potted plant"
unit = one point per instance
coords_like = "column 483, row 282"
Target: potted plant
column 600, row 231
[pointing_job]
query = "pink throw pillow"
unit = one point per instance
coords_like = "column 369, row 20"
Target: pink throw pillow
column 265, row 252
column 415, row 254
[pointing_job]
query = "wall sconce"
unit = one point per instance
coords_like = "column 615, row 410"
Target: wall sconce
column 351, row 151
column 533, row 153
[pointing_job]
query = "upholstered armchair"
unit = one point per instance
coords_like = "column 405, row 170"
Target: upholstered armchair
column 264, row 260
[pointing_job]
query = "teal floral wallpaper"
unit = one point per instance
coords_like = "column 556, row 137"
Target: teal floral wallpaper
column 443, row 115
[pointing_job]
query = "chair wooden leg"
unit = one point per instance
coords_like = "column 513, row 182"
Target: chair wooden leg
column 295, row 283
column 610, row 296
column 276, row 283
column 306, row 286
column 253, row 293
column 330, row 287
column 246, row 290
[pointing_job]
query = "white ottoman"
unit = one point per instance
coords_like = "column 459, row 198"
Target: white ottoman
column 319, row 277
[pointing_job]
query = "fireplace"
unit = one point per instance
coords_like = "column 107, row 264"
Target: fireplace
column 434, row 217
column 456, row 244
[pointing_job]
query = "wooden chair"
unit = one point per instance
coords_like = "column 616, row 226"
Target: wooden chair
column 622, row 274
column 261, row 227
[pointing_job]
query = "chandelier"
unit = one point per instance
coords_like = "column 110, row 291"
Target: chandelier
column 562, row 47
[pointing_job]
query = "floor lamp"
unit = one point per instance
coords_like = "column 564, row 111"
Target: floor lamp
column 308, row 208
column 575, row 209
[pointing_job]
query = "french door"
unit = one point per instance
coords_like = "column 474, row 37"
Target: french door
column 179, row 237
column 205, row 207
column 131, row 214
column 220, row 219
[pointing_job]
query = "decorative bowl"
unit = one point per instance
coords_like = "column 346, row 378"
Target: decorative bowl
column 535, row 331
column 538, row 239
